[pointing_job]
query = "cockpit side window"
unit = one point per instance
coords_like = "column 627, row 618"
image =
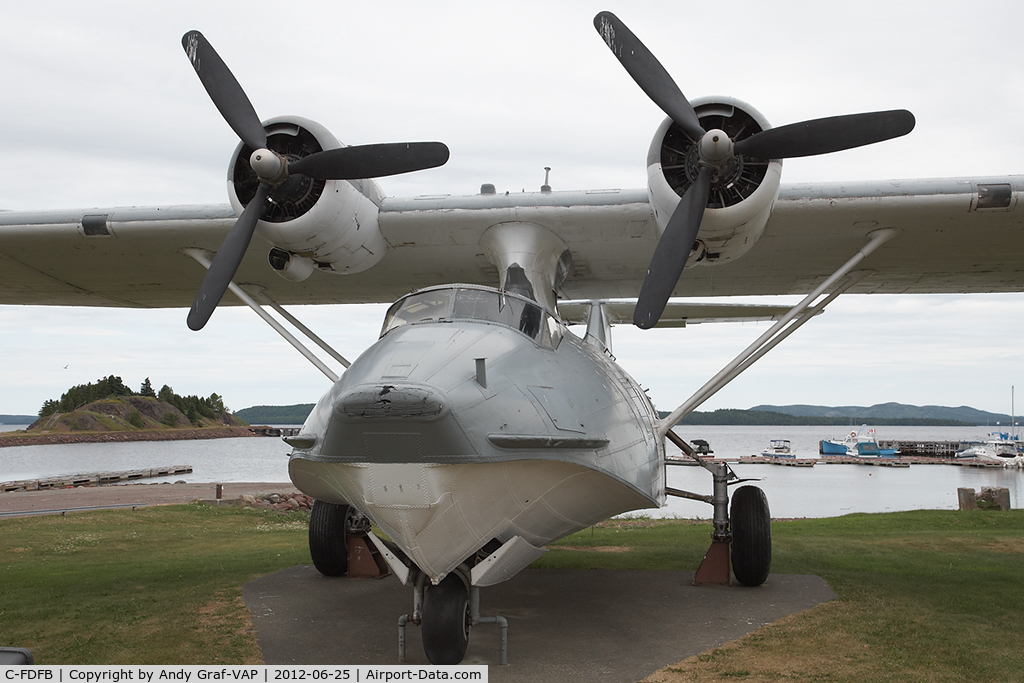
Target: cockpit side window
column 476, row 304
column 496, row 307
column 429, row 305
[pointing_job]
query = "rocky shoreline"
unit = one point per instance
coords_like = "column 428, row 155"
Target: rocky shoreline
column 108, row 437
column 281, row 502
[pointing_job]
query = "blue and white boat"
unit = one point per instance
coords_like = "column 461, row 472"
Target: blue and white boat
column 858, row 444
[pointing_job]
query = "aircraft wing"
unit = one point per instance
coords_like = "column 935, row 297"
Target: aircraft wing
column 951, row 238
column 677, row 313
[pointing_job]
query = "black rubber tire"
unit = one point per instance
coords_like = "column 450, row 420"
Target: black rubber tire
column 446, row 621
column 328, row 538
column 751, row 524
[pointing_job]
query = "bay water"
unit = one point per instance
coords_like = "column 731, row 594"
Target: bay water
column 820, row 491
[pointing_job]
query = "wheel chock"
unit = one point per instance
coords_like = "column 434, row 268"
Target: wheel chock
column 714, row 569
column 365, row 561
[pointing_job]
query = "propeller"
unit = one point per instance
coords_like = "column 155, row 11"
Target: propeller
column 273, row 169
column 715, row 150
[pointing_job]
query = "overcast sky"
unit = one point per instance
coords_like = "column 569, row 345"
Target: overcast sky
column 101, row 108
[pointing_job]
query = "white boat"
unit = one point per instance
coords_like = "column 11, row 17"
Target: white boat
column 779, row 448
column 999, row 447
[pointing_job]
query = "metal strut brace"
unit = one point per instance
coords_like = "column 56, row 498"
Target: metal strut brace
column 312, row 336
column 722, row 475
column 502, row 622
column 798, row 315
column 203, row 258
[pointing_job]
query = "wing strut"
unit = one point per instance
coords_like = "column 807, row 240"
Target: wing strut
column 798, row 315
column 203, row 257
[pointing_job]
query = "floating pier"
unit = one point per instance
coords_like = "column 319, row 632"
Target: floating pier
column 894, row 461
column 264, row 430
column 94, row 479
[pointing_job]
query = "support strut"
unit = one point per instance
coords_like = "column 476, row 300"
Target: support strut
column 798, row 315
column 203, row 257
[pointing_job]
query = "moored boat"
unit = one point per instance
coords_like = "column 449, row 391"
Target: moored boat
column 779, row 448
column 858, row 443
column 999, row 447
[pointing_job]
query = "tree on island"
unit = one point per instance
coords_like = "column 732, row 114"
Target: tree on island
column 193, row 407
column 85, row 393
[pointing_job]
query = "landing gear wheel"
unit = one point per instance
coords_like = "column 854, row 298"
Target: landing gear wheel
column 751, row 524
column 446, row 621
column 328, row 537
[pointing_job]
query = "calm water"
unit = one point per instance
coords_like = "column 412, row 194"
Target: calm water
column 212, row 460
column 821, row 491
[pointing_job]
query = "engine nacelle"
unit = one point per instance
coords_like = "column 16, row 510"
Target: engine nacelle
column 333, row 223
column 741, row 196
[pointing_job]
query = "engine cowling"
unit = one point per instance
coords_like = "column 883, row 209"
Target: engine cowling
column 333, row 223
column 742, row 195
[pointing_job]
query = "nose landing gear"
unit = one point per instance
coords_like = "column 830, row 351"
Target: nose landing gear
column 447, row 613
column 446, row 621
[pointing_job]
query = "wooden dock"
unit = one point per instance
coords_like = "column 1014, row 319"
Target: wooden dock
column 935, row 449
column 94, row 479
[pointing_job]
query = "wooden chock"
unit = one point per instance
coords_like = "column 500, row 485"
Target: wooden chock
column 714, row 568
column 364, row 560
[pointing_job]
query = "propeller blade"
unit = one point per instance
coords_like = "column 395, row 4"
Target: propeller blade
column 224, row 90
column 648, row 73
column 821, row 136
column 671, row 253
column 226, row 262
column 371, row 161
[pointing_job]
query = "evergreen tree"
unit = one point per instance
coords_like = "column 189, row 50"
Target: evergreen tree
column 147, row 389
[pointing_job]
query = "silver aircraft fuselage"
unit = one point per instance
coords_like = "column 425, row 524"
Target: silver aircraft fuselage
column 478, row 417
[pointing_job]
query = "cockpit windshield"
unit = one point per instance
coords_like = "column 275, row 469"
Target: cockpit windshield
column 464, row 303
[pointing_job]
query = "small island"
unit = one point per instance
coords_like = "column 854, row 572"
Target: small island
column 107, row 410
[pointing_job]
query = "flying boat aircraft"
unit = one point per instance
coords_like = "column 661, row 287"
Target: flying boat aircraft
column 479, row 427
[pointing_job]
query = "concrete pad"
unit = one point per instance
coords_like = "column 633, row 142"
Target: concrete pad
column 592, row 625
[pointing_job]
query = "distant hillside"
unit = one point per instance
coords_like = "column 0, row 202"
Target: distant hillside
column 17, row 419
column 276, row 415
column 893, row 411
column 764, row 417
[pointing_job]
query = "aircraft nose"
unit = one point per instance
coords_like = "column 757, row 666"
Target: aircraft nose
column 400, row 422
column 392, row 401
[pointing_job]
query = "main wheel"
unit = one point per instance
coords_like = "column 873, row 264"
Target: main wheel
column 328, row 537
column 751, row 524
column 446, row 621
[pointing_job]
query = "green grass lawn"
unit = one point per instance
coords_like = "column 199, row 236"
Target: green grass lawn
column 923, row 596
column 158, row 585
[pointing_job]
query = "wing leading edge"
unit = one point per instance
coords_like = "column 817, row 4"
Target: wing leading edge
column 952, row 238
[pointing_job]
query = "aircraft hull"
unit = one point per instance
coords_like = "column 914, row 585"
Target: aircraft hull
column 441, row 514
column 445, row 455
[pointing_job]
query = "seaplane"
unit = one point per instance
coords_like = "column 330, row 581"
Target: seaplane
column 479, row 427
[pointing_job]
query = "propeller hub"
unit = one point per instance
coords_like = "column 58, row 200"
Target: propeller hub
column 715, row 148
column 269, row 166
